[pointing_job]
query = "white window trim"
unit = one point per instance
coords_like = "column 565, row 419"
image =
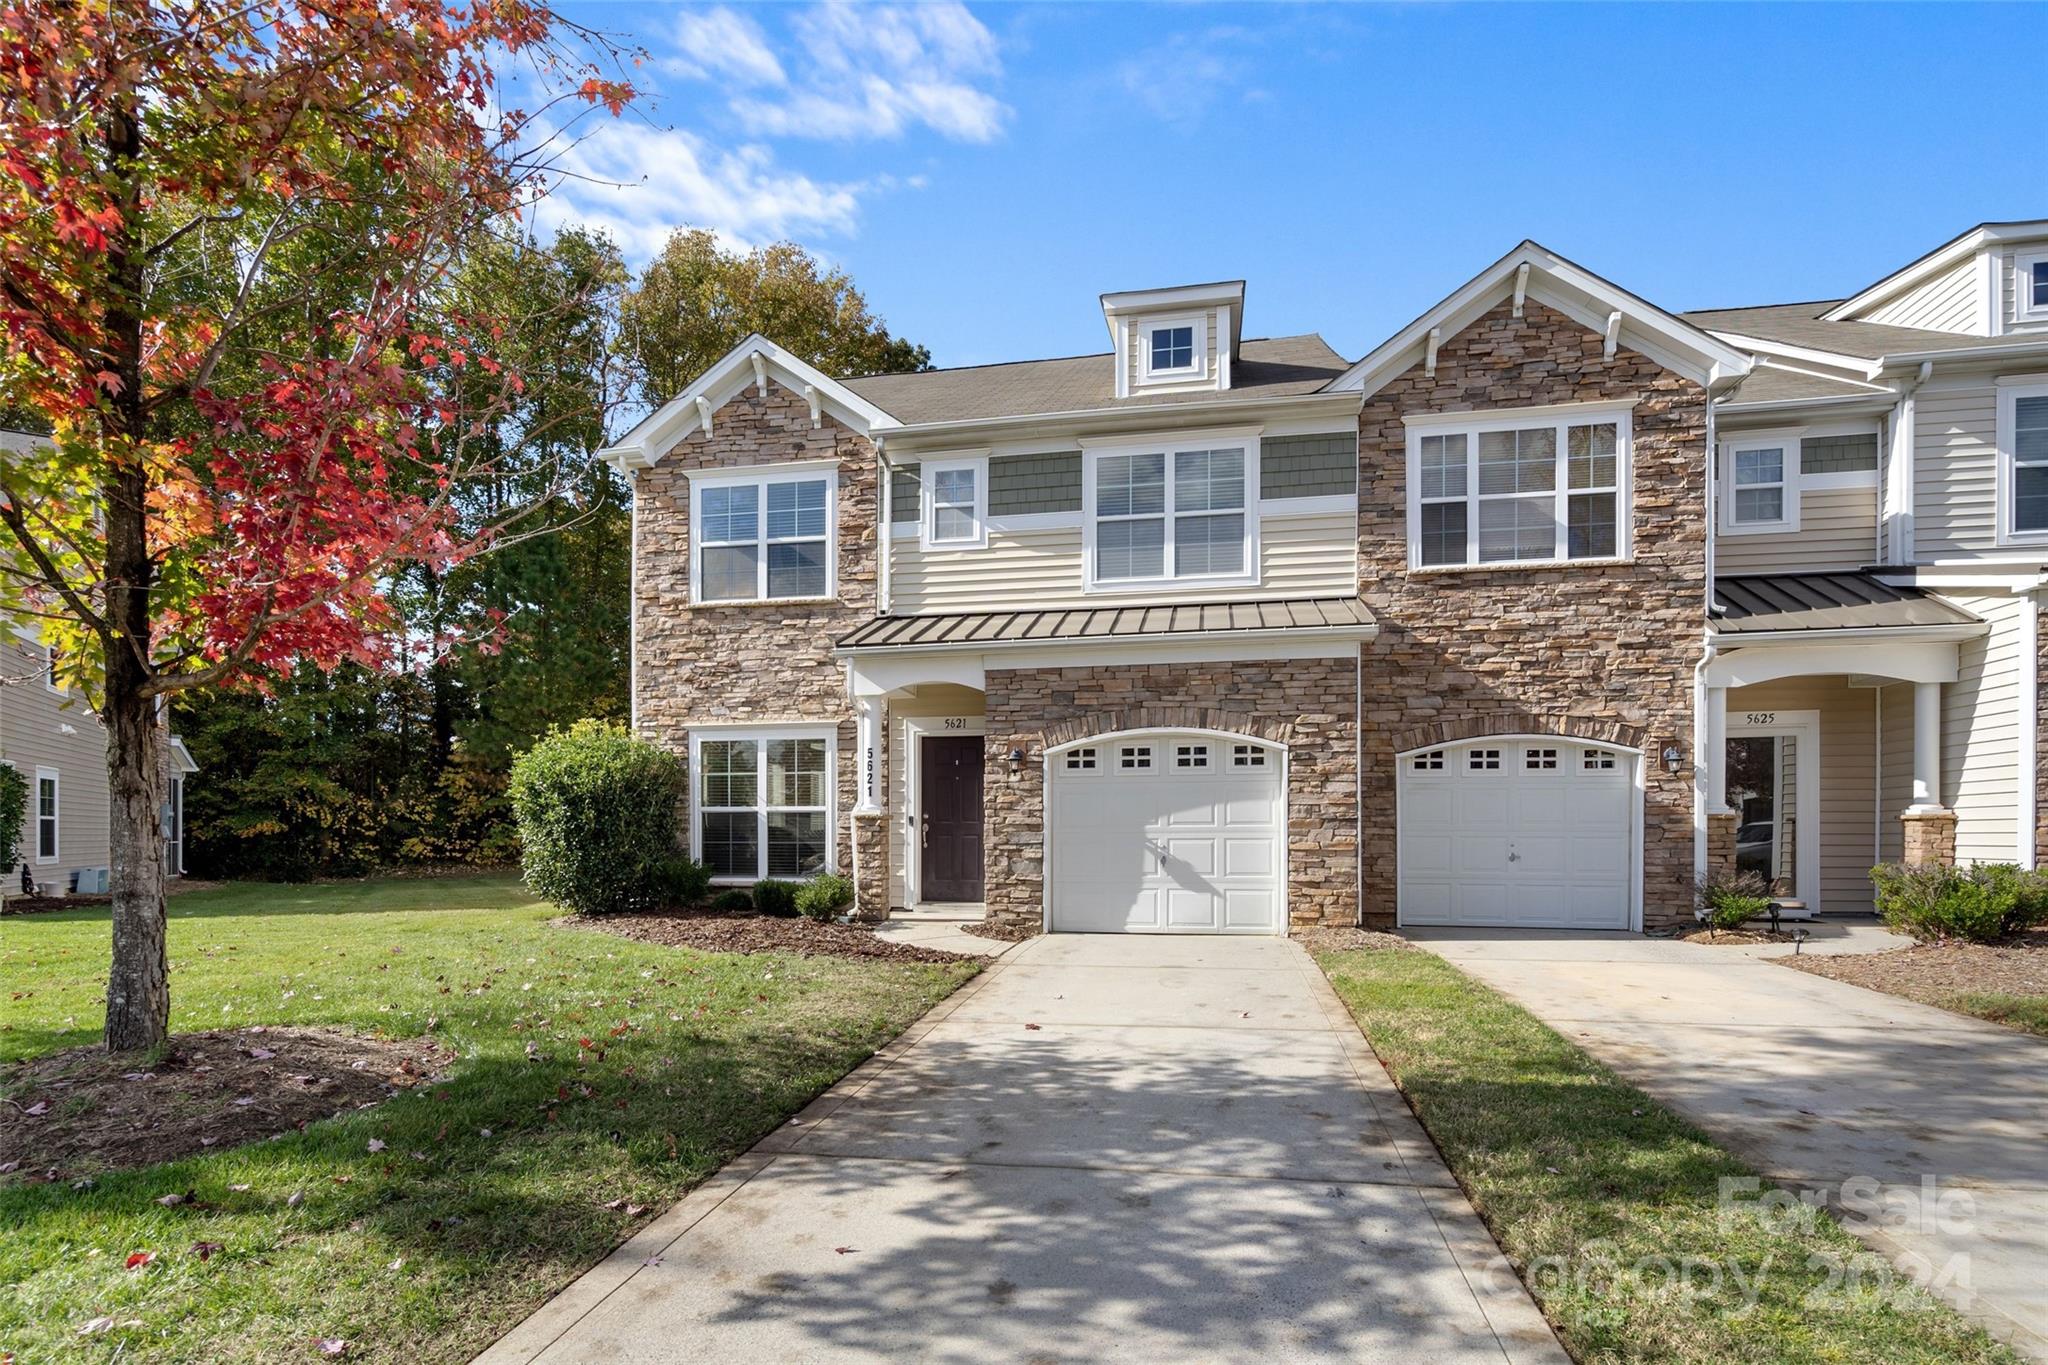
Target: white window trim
column 50, row 683
column 1559, row 415
column 1169, row 445
column 1787, row 441
column 2024, row 309
column 35, row 810
column 928, row 472
column 763, row 475
column 2007, row 438
column 1197, row 370
column 762, row 735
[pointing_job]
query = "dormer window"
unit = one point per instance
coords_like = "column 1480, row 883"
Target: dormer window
column 1174, row 348
column 2030, row 288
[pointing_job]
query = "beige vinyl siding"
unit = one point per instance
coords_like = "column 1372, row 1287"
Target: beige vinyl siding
column 1895, row 778
column 1947, row 303
column 1955, row 471
column 33, row 720
column 938, row 699
column 2009, row 285
column 1134, row 362
column 1980, row 734
column 1848, row 776
column 1837, row 530
column 1305, row 556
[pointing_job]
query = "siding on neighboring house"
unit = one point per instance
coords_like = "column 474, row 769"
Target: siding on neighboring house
column 1947, row 303
column 33, row 724
column 1837, row 530
column 1299, row 556
column 938, row 699
column 1955, row 470
column 1848, row 776
column 1980, row 737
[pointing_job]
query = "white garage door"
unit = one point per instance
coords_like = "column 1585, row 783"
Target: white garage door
column 1166, row 834
column 1517, row 832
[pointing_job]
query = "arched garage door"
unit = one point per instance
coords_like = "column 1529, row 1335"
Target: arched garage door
column 1538, row 833
column 1167, row 833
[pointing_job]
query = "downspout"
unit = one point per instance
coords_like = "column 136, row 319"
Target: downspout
column 633, row 599
column 1902, row 550
column 1701, row 731
column 884, row 533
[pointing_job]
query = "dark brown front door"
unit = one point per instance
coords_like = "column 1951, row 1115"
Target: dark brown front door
column 949, row 860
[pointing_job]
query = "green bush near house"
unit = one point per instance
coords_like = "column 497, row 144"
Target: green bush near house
column 732, row 899
column 1728, row 900
column 597, row 821
column 13, row 813
column 773, row 897
column 1979, row 904
column 821, row 898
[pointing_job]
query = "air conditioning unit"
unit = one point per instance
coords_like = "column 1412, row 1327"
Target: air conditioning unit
column 89, row 881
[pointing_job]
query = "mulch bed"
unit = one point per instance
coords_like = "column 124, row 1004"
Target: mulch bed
column 1002, row 933
column 1348, row 939
column 38, row 905
column 1937, row 973
column 1721, row 937
column 714, row 931
column 83, row 1111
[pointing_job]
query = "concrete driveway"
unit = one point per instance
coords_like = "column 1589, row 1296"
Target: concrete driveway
column 1104, row 1148
column 1817, row 1083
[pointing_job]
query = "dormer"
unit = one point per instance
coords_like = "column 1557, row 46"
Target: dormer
column 1175, row 340
column 1991, row 281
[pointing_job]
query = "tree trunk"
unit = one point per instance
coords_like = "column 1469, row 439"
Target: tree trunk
column 138, row 982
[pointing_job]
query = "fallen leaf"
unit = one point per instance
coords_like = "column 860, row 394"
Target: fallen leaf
column 376, row 1144
column 1032, row 1027
column 261, row 1054
column 139, row 1259
column 9, row 1166
column 239, row 1189
column 171, row 1201
column 398, row 1264
column 296, row 1199
column 204, row 1250
column 96, row 1326
column 844, row 1250
column 635, row 1210
column 244, row 1101
column 331, row 1346
column 615, row 1203
column 38, row 1109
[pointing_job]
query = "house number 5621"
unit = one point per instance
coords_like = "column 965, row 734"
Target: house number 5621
column 956, row 722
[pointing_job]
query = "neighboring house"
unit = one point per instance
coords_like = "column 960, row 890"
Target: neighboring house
column 51, row 735
column 1527, row 618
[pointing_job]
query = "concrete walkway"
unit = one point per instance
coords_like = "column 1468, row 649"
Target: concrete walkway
column 1818, row 1082
column 1103, row 1148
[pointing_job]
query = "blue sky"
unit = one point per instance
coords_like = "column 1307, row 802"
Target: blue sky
column 985, row 171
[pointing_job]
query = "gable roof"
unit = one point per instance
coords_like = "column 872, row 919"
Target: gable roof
column 1569, row 288
column 748, row 363
column 1946, row 256
column 1775, row 384
column 1807, row 325
column 1270, row 367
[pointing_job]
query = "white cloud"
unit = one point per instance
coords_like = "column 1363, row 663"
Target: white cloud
column 869, row 71
column 639, row 183
column 719, row 43
column 1177, row 81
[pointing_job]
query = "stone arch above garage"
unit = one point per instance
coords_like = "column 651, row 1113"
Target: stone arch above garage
column 1594, row 729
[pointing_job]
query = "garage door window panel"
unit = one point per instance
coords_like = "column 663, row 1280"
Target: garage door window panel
column 1542, row 489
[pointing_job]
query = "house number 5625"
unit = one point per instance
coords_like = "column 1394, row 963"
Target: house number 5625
column 1761, row 718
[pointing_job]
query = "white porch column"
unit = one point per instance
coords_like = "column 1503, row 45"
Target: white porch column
column 867, row 714
column 1716, row 757
column 1926, row 748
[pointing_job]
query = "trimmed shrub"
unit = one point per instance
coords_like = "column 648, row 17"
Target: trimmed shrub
column 1727, row 900
column 597, row 821
column 732, row 899
column 13, row 814
column 822, row 897
column 778, row 898
column 683, row 882
column 1979, row 904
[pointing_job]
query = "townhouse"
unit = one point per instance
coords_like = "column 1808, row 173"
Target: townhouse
column 1550, row 603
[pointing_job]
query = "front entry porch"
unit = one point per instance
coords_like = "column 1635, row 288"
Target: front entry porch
column 1823, row 750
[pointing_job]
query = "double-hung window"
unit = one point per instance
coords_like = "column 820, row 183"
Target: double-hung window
column 955, row 501
column 1761, row 486
column 2023, row 456
column 764, row 802
column 1539, row 487
column 764, row 537
column 1173, row 514
column 46, row 815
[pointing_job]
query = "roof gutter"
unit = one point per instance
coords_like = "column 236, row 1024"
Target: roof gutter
column 1823, row 635
column 1359, row 633
column 1341, row 401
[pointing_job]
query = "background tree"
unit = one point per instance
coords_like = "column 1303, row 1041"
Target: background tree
column 696, row 301
column 224, row 232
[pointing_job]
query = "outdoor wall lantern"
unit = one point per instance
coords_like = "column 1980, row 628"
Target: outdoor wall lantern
column 1674, row 758
column 1016, row 758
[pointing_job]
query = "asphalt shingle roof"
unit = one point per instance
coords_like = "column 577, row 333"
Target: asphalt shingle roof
column 1800, row 324
column 1267, row 367
column 1770, row 384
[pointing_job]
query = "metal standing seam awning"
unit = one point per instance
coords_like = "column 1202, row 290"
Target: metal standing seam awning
column 1108, row 625
column 1757, row 604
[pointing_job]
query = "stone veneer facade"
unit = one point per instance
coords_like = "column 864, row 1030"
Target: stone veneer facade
column 1589, row 651
column 1307, row 704
column 757, row 662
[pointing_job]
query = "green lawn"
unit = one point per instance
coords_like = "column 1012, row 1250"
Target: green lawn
column 1598, row 1194
column 415, row 1260
column 2029, row 1012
